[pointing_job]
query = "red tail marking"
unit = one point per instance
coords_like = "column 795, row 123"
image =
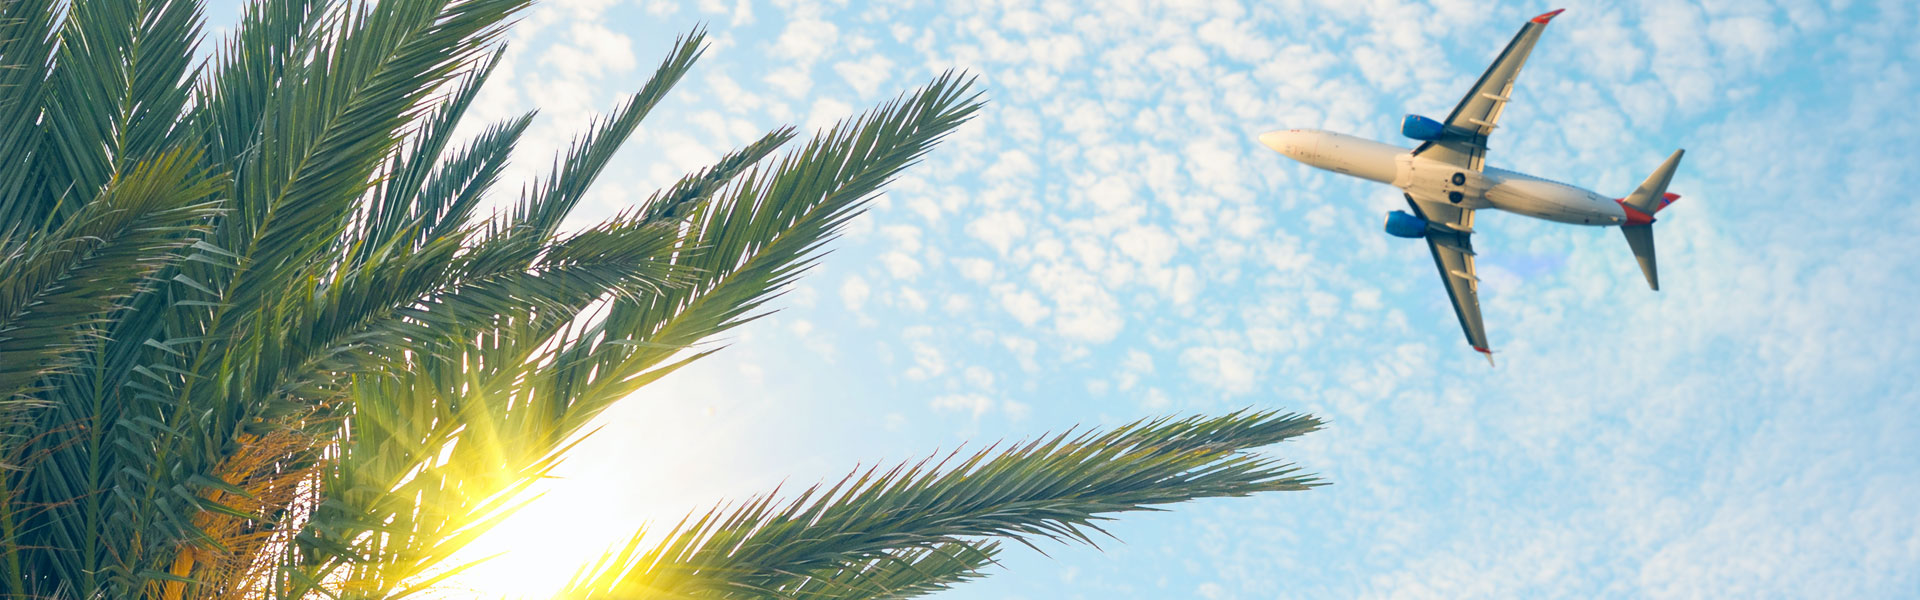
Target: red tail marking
column 1667, row 199
column 1634, row 216
column 1542, row 19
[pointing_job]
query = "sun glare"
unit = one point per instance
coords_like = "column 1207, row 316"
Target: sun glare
column 637, row 469
column 537, row 550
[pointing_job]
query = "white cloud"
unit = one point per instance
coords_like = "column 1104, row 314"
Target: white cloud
column 1084, row 309
column 805, row 41
column 900, row 265
column 911, row 299
column 854, row 292
column 1017, row 411
column 1228, row 369
column 977, row 270
column 1136, row 365
column 794, row 83
column 1184, row 286
column 1023, row 350
column 741, row 11
column 594, row 51
column 998, row 229
column 928, row 362
column 1156, row 400
column 1211, row 591
column 974, row 405
column 826, row 112
column 979, row 377
column 1023, row 305
column 865, row 75
column 1150, row 245
column 660, row 8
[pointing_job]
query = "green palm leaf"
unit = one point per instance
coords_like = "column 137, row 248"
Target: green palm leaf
column 399, row 203
column 59, row 286
column 900, row 574
column 448, row 198
column 230, row 104
column 541, row 211
column 758, row 235
column 1056, row 489
column 27, row 42
column 116, row 92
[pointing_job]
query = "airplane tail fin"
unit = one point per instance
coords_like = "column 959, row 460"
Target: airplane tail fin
column 1652, row 194
column 1641, row 205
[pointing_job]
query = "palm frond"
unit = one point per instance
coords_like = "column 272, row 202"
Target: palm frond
column 448, row 198
column 119, row 84
column 541, row 211
column 397, row 203
column 394, row 308
column 231, row 103
column 77, row 277
column 758, row 234
column 426, row 278
column 1056, row 488
column 208, row 355
column 27, row 42
column 676, row 201
column 902, row 574
column 331, row 124
column 57, row 287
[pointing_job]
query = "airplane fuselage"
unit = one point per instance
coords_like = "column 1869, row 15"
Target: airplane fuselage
column 1491, row 188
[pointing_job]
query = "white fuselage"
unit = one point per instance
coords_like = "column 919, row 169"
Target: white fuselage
column 1492, row 188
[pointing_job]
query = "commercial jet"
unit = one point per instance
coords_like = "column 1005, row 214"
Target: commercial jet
column 1446, row 179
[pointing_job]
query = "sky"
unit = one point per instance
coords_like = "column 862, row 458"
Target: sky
column 1107, row 241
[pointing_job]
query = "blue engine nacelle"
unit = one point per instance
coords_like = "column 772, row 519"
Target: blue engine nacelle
column 1422, row 128
column 1401, row 224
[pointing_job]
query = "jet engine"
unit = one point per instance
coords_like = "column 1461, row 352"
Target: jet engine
column 1422, row 128
column 1401, row 224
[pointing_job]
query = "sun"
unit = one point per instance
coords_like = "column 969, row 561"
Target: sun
column 639, row 468
column 568, row 523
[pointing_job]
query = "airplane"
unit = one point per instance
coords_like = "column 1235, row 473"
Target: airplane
column 1446, row 179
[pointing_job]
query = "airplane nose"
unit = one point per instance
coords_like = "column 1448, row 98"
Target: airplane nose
column 1284, row 142
column 1275, row 140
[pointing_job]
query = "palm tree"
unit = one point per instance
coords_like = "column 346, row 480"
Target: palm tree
column 258, row 341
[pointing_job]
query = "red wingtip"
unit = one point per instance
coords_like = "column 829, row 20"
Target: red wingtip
column 1548, row 16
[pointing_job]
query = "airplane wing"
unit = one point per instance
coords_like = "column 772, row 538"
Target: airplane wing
column 1477, row 114
column 1449, row 236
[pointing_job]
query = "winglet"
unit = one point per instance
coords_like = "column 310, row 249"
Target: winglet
column 1487, row 352
column 1548, row 16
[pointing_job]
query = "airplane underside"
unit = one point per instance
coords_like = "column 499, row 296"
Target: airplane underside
column 1445, row 180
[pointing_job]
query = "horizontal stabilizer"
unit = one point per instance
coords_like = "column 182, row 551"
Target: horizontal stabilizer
column 1640, row 238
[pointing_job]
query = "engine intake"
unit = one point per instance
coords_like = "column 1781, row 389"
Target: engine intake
column 1422, row 128
column 1401, row 224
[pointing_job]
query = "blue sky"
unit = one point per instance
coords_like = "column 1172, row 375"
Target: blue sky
column 1107, row 241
